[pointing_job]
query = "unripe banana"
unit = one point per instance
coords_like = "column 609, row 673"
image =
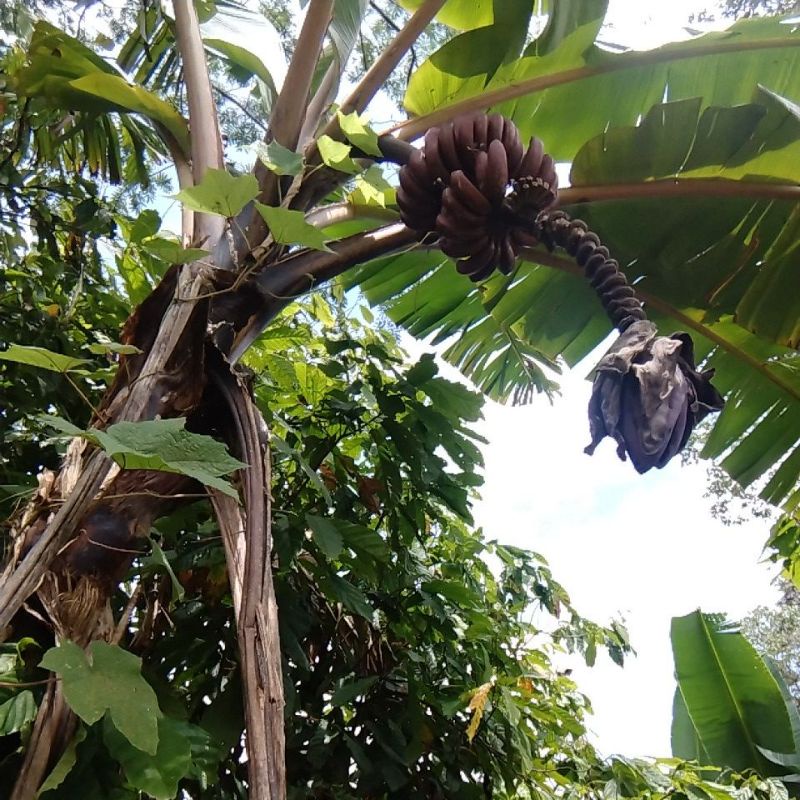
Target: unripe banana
column 459, row 210
column 488, row 267
column 464, row 141
column 497, row 178
column 414, row 216
column 415, row 192
column 455, row 228
column 433, row 157
column 479, row 259
column 480, row 131
column 417, row 170
column 513, row 147
column 468, row 194
column 481, row 172
column 456, row 248
column 496, row 123
column 531, row 161
column 447, row 147
column 547, row 172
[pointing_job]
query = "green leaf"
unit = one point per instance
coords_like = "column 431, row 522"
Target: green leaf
column 159, row 560
column 685, row 741
column 104, row 348
column 363, row 540
column 321, row 310
column 349, row 690
column 173, row 252
column 451, row 590
column 751, row 141
column 64, row 764
column 166, row 445
column 127, row 97
column 43, row 358
column 279, row 159
column 107, row 678
column 359, row 133
column 464, row 64
column 734, row 704
column 157, row 774
column 460, row 14
column 242, row 64
column 613, row 89
column 326, row 535
column 61, row 425
column 290, row 227
column 17, row 712
column 372, row 189
column 220, row 193
column 350, row 596
column 336, row 155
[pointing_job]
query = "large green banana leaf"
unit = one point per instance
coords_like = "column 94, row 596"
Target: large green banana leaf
column 697, row 197
column 728, row 704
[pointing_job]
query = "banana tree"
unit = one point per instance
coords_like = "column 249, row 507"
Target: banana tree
column 684, row 164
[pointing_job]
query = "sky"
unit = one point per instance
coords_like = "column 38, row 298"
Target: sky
column 643, row 547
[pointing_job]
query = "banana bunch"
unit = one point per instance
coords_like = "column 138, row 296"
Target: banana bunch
column 457, row 186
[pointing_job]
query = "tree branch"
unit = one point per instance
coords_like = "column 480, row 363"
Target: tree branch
column 331, row 214
column 249, row 564
column 203, row 122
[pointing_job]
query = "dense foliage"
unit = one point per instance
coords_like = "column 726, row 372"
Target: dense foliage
column 416, row 658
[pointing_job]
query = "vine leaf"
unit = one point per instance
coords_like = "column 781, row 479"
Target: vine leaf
column 163, row 445
column 220, row 193
column 279, row 159
column 43, row 358
column 336, row 155
column 372, row 189
column 103, row 679
column 157, row 774
column 359, row 133
column 290, row 227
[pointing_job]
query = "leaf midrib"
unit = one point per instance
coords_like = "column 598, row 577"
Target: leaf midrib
column 413, row 128
column 757, row 757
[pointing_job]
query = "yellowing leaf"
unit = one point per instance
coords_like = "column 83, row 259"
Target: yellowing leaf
column 476, row 705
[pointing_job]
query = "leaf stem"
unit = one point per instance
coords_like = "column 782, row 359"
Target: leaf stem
column 679, row 187
column 414, row 128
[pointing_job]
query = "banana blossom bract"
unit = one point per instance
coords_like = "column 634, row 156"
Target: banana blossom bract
column 648, row 396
